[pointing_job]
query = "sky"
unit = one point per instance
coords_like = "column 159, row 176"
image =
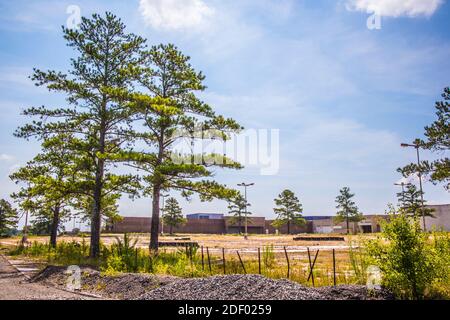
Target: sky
column 344, row 83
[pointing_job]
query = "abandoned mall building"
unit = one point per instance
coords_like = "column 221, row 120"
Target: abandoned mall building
column 216, row 223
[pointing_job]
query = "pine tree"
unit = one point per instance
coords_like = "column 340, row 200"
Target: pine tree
column 437, row 140
column 348, row 211
column 8, row 218
column 50, row 179
column 100, row 76
column 171, row 112
column 173, row 215
column 411, row 203
column 237, row 207
column 288, row 210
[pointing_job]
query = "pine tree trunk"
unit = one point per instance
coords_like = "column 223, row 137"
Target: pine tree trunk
column 171, row 229
column 239, row 224
column 289, row 227
column 97, row 209
column 154, row 231
column 96, row 217
column 54, row 227
column 348, row 227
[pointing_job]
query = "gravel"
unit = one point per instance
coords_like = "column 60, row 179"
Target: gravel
column 14, row 286
column 126, row 286
column 255, row 287
column 130, row 286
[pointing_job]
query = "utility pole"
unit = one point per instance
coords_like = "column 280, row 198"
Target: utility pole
column 419, row 173
column 245, row 185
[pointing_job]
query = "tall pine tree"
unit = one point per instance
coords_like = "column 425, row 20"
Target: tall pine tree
column 347, row 209
column 171, row 112
column 411, row 203
column 437, row 140
column 236, row 208
column 173, row 215
column 8, row 218
column 288, row 210
column 50, row 184
column 100, row 75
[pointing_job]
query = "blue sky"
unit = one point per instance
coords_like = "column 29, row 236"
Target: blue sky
column 344, row 97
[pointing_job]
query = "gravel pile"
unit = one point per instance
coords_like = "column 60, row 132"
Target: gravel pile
column 254, row 287
column 126, row 286
column 130, row 286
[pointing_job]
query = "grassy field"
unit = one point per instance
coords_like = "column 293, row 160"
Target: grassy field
column 273, row 259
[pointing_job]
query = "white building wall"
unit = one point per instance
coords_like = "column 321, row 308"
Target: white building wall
column 441, row 220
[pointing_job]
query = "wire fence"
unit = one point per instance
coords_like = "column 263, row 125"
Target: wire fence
column 313, row 267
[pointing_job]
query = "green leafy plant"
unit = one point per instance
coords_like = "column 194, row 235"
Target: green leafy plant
column 409, row 262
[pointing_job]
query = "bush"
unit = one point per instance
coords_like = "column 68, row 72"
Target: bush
column 410, row 263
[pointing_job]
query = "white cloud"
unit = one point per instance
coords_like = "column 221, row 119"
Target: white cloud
column 396, row 8
column 175, row 14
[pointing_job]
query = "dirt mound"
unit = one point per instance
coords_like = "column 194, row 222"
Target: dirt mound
column 255, row 287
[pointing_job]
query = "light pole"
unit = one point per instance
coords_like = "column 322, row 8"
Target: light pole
column 403, row 189
column 416, row 146
column 245, row 185
column 162, row 216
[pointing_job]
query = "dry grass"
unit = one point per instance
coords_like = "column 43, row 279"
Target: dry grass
column 248, row 249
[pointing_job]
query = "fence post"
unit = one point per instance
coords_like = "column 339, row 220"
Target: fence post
column 209, row 260
column 311, row 272
column 203, row 261
column 191, row 259
column 259, row 260
column 309, row 259
column 223, row 260
column 334, row 268
column 242, row 263
column 288, row 265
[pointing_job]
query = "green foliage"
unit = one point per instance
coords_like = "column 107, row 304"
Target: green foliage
column 268, row 256
column 123, row 255
column 237, row 209
column 171, row 112
column 359, row 262
column 410, row 263
column 288, row 210
column 42, row 224
column 438, row 140
column 411, row 202
column 8, row 218
column 347, row 209
column 64, row 253
column 96, row 119
column 173, row 215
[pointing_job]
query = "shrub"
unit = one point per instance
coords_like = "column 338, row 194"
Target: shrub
column 268, row 256
column 411, row 265
column 359, row 262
